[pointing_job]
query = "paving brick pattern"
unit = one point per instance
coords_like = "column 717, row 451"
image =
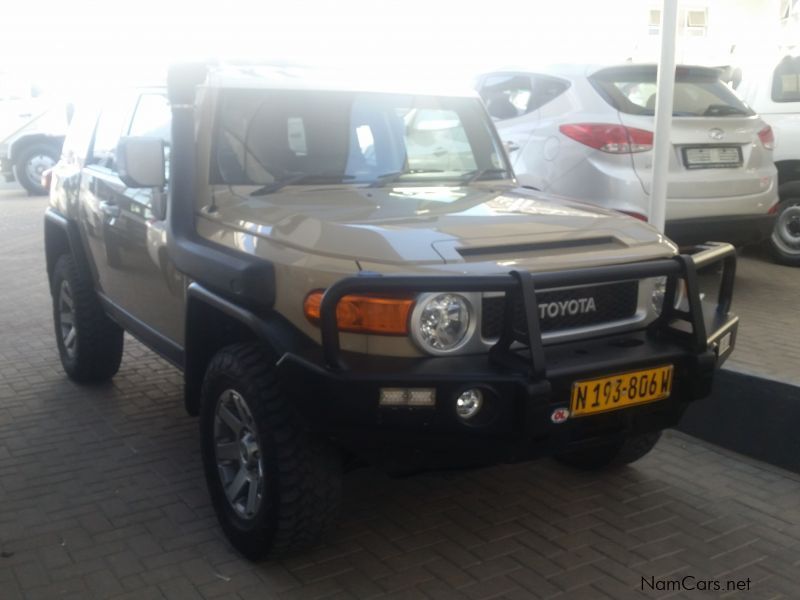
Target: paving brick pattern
column 767, row 298
column 102, row 496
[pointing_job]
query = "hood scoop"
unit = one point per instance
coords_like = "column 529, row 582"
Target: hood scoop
column 529, row 248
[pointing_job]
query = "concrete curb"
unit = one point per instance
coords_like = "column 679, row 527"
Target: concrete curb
column 751, row 415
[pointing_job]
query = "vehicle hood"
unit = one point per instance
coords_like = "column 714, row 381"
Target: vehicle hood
column 22, row 118
column 414, row 224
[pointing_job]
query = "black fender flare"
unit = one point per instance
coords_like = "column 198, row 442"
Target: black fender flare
column 61, row 236
column 214, row 321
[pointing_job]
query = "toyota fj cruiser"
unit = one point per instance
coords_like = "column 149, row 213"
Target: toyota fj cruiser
column 351, row 271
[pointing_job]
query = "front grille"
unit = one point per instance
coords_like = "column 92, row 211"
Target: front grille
column 567, row 309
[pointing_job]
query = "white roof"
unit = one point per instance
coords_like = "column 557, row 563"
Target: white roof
column 573, row 71
column 306, row 78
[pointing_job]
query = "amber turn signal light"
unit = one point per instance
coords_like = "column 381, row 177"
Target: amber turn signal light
column 364, row 314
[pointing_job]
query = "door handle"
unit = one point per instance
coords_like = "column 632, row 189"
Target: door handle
column 110, row 209
column 511, row 147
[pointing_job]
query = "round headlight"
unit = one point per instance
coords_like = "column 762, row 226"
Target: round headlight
column 443, row 322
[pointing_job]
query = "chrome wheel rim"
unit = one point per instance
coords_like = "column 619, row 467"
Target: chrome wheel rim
column 238, row 454
column 36, row 165
column 66, row 319
column 786, row 235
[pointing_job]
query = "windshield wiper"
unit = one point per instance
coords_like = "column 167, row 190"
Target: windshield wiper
column 387, row 178
column 471, row 176
column 278, row 184
column 721, row 110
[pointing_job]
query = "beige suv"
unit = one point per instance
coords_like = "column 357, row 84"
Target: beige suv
column 342, row 270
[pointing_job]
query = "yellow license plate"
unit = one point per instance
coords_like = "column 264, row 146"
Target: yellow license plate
column 622, row 390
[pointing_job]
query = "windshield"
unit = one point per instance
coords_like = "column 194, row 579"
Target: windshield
column 274, row 138
column 786, row 80
column 698, row 92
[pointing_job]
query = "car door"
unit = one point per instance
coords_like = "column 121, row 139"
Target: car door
column 128, row 244
column 538, row 162
column 100, row 194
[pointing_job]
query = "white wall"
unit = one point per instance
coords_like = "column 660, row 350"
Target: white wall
column 746, row 26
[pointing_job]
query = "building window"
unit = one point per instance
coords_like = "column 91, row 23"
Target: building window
column 696, row 22
column 654, row 23
column 789, row 8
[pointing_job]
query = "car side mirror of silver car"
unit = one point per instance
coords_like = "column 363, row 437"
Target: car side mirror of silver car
column 140, row 162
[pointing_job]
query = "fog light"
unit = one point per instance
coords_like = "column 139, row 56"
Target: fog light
column 408, row 397
column 469, row 403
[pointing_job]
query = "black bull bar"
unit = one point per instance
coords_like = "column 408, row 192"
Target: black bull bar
column 698, row 327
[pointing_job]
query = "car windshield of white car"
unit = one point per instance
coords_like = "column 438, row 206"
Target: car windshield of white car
column 699, row 92
column 278, row 138
column 786, row 80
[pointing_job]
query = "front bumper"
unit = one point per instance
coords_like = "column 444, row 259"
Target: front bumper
column 738, row 230
column 338, row 393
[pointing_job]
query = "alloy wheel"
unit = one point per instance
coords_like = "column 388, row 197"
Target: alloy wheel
column 238, row 454
column 66, row 319
column 36, row 165
column 786, row 235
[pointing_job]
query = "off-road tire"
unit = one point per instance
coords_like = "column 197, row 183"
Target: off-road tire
column 782, row 243
column 98, row 341
column 302, row 475
column 611, row 455
column 33, row 187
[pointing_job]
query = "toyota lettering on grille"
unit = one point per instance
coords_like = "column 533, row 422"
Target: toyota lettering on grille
column 561, row 308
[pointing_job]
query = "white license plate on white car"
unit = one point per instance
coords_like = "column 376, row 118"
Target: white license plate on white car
column 712, row 157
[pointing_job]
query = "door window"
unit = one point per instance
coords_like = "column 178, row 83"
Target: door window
column 113, row 123
column 507, row 96
column 152, row 117
column 79, row 134
column 546, row 89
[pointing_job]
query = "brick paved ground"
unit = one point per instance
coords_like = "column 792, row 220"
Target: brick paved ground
column 101, row 496
column 767, row 297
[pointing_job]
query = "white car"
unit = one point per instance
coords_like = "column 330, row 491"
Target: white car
column 32, row 129
column 587, row 132
column 775, row 94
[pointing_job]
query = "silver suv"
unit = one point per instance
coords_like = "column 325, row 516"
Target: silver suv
column 340, row 270
column 587, row 133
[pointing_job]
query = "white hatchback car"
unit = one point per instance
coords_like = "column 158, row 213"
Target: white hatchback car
column 775, row 93
column 587, row 132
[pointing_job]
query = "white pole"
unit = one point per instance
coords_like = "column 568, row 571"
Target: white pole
column 665, row 87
